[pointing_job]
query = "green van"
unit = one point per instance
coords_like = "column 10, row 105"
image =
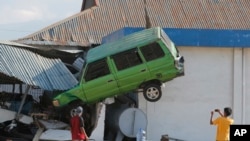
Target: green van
column 140, row 61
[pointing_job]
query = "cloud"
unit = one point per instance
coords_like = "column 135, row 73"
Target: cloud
column 25, row 15
column 22, row 17
column 19, row 12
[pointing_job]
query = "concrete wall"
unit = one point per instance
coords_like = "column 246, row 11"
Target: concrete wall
column 214, row 78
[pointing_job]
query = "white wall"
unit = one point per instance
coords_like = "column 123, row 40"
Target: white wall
column 247, row 86
column 98, row 133
column 214, row 78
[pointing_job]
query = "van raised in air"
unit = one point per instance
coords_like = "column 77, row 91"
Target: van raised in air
column 140, row 61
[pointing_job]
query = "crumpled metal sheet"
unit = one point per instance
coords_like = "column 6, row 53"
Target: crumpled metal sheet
column 19, row 65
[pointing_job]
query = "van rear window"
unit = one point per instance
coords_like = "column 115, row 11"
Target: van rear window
column 152, row 51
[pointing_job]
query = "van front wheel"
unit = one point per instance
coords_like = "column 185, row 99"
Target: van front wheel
column 152, row 92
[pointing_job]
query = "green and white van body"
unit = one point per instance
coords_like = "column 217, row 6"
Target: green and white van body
column 133, row 62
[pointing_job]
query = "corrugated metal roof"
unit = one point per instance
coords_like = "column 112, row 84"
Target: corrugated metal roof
column 22, row 66
column 89, row 26
column 7, row 42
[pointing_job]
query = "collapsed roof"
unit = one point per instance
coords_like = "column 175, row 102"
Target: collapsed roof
column 18, row 65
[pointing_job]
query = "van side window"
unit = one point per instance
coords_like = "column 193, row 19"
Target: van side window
column 152, row 51
column 127, row 59
column 97, row 69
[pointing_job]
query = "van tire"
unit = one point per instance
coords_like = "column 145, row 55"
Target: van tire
column 152, row 92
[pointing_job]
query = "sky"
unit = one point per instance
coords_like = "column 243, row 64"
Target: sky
column 19, row 18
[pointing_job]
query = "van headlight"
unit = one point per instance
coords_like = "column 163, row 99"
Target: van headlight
column 56, row 103
column 179, row 63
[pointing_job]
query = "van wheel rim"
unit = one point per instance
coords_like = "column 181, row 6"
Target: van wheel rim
column 152, row 93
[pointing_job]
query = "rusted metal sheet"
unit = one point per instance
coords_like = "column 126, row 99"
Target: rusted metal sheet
column 89, row 26
column 19, row 65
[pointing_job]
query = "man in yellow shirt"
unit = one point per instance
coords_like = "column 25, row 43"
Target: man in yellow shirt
column 223, row 124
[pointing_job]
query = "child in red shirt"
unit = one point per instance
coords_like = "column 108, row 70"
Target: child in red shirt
column 77, row 126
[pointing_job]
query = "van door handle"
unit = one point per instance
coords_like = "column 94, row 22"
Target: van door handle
column 143, row 70
column 110, row 81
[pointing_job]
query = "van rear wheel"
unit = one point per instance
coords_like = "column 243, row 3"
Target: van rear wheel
column 152, row 92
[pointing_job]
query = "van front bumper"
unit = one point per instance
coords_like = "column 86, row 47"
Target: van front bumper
column 179, row 64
